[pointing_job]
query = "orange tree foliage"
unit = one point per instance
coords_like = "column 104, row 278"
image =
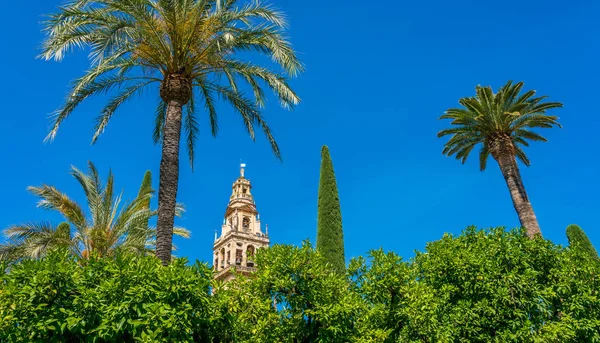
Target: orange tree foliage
column 480, row 286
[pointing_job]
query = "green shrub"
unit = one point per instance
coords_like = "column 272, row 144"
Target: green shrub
column 125, row 299
column 480, row 286
column 294, row 297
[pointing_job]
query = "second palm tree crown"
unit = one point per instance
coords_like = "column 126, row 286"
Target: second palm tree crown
column 501, row 125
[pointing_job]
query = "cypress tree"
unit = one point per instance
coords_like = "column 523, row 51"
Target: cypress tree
column 580, row 241
column 330, row 236
column 145, row 191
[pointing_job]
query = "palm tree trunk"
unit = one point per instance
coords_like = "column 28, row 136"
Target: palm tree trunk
column 169, row 178
column 512, row 176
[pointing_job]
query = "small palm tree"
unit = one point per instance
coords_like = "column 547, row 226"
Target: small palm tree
column 108, row 228
column 191, row 49
column 501, row 124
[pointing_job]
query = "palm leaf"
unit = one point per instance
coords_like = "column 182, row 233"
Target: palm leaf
column 192, row 131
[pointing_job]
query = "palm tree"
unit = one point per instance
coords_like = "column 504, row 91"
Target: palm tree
column 108, row 228
column 502, row 124
column 191, row 48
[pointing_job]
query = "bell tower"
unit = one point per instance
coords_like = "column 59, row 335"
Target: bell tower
column 241, row 234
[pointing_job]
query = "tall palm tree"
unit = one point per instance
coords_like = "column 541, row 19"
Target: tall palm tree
column 501, row 123
column 194, row 50
column 108, row 228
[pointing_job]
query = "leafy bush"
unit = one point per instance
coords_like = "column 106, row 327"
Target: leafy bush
column 127, row 298
column 295, row 296
column 481, row 286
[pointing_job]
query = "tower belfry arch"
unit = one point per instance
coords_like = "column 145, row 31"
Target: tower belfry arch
column 241, row 234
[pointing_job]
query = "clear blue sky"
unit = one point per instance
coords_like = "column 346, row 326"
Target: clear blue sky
column 378, row 75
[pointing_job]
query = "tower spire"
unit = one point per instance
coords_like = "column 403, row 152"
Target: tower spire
column 242, row 167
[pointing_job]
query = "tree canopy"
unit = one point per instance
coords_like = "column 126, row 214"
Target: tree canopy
column 488, row 117
column 492, row 285
column 128, row 298
column 136, row 44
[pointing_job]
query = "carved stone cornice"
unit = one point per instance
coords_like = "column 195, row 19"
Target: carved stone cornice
column 240, row 236
column 250, row 208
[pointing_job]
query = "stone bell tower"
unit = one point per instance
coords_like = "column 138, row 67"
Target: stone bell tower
column 241, row 234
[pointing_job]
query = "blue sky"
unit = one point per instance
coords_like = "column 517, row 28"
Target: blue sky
column 378, row 75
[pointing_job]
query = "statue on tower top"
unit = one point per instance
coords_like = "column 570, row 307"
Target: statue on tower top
column 242, row 166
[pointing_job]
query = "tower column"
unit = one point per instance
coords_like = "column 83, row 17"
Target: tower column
column 244, row 249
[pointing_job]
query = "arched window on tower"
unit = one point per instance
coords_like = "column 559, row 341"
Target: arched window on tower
column 238, row 257
column 250, row 256
column 246, row 223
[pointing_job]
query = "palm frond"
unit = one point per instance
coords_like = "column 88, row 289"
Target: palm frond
column 484, row 154
column 530, row 135
column 81, row 93
column 91, row 185
column 52, row 199
column 32, row 240
column 112, row 106
column 242, row 105
column 522, row 156
column 182, row 232
column 28, row 230
column 192, row 131
column 209, row 104
column 288, row 98
column 159, row 122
